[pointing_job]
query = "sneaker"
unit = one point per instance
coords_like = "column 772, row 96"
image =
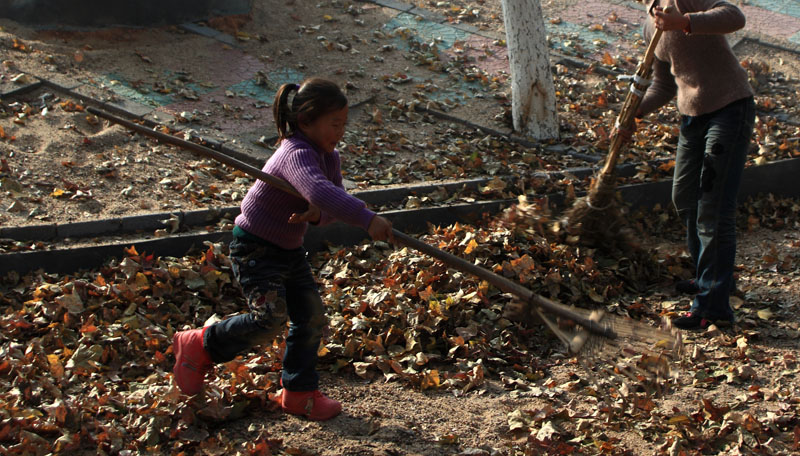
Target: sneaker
column 191, row 360
column 687, row 287
column 311, row 404
column 695, row 321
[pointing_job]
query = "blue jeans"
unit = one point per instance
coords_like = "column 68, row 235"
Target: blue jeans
column 279, row 286
column 712, row 150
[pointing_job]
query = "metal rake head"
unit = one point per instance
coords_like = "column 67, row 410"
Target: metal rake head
column 639, row 352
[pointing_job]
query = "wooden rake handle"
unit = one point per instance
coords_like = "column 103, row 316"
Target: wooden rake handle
column 200, row 149
column 449, row 259
column 633, row 100
column 505, row 285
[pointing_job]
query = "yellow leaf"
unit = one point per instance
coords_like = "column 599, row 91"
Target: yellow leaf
column 57, row 193
column 678, row 419
column 141, row 281
column 470, row 247
column 663, row 343
column 430, row 380
column 764, row 314
column 434, row 306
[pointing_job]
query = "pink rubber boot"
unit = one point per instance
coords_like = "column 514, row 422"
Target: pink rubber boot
column 191, row 360
column 311, row 404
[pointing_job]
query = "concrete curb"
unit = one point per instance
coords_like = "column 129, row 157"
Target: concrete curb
column 19, row 90
column 777, row 178
column 770, row 178
column 66, row 261
column 70, row 260
column 148, row 223
column 209, row 32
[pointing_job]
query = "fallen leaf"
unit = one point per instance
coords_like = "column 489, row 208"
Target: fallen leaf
column 764, row 314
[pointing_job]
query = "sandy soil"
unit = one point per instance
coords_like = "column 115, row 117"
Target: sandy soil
column 383, row 418
column 63, row 166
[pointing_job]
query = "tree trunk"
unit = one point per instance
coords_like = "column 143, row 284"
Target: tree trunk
column 533, row 98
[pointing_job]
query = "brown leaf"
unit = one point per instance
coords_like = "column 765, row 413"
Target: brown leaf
column 712, row 412
column 56, row 368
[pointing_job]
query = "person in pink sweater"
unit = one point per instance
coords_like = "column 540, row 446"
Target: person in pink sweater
column 267, row 252
column 694, row 61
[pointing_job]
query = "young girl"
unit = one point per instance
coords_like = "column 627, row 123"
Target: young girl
column 268, row 258
column 694, row 60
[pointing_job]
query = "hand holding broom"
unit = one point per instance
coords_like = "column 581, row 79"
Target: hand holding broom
column 595, row 217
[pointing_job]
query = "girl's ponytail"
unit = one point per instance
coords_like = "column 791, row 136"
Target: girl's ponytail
column 314, row 98
column 281, row 111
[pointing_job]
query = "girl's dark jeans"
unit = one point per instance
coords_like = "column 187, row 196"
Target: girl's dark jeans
column 279, row 286
column 712, row 150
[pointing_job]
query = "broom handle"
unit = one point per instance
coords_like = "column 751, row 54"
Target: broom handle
column 632, row 100
column 451, row 260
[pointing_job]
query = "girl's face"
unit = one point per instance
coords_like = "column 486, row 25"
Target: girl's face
column 327, row 130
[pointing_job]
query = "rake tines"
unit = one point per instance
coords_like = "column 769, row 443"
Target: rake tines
column 638, row 353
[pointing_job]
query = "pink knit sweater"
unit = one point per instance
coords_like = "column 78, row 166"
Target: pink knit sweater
column 699, row 66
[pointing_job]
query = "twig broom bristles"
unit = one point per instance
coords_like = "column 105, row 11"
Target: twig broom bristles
column 595, row 218
column 608, row 328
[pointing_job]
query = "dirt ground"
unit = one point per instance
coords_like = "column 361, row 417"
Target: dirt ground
column 62, row 165
column 436, row 374
column 754, row 364
column 735, row 390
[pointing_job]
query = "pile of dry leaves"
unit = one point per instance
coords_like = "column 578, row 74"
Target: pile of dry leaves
column 86, row 359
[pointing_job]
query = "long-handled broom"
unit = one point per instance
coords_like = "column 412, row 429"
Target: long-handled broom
column 625, row 333
column 595, row 218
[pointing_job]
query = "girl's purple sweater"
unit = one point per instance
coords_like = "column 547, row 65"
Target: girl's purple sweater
column 317, row 176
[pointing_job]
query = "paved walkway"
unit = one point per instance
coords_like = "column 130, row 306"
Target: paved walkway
column 590, row 29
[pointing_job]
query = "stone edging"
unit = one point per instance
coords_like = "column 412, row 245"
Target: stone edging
column 778, row 178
